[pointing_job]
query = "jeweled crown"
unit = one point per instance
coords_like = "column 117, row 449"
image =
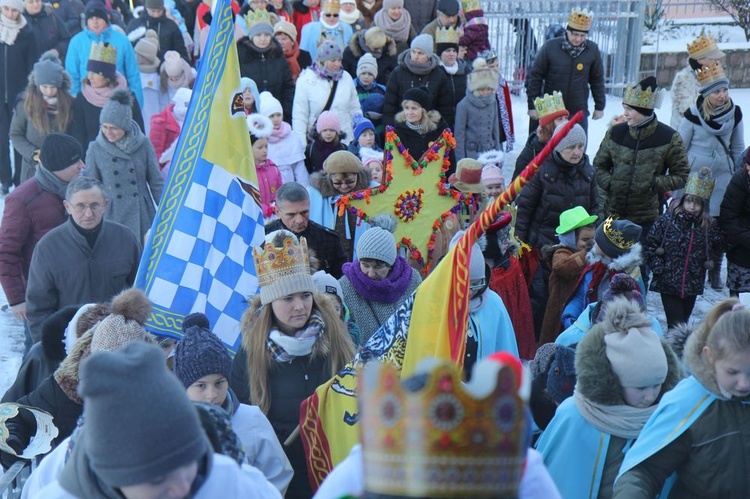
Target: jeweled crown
column 649, row 99
column 702, row 47
column 615, row 235
column 700, row 183
column 580, row 19
column 330, row 6
column 447, row 35
column 442, row 439
column 103, row 52
column 548, row 104
column 272, row 263
column 710, row 74
column 254, row 17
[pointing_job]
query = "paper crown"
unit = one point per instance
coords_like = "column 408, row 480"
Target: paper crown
column 103, row 52
column 273, row 264
column 330, row 6
column 471, row 5
column 442, row 439
column 713, row 73
column 704, row 47
column 254, row 17
column 616, row 236
column 447, row 35
column 635, row 96
column 580, row 19
column 550, row 107
column 700, row 183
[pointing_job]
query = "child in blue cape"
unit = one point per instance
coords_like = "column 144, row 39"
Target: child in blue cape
column 700, row 433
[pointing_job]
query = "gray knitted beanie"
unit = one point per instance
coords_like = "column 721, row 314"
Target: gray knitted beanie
column 118, row 110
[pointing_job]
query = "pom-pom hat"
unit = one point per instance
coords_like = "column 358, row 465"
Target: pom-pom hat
column 118, row 110
column 200, row 353
column 130, row 309
column 328, row 50
column 48, row 72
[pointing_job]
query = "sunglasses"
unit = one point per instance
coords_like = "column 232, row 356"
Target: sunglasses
column 339, row 183
column 331, row 15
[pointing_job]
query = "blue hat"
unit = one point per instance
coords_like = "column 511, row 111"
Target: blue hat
column 361, row 124
column 200, row 353
column 561, row 377
column 372, row 106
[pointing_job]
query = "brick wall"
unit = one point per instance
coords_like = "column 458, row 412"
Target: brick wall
column 736, row 64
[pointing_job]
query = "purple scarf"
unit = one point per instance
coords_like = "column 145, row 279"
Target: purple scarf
column 389, row 290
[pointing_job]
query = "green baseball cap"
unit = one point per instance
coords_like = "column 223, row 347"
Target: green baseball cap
column 573, row 219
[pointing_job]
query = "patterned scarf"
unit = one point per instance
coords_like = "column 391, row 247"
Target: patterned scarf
column 284, row 348
column 415, row 126
column 320, row 70
column 503, row 97
column 571, row 50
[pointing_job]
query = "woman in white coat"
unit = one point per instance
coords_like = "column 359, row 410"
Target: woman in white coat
column 325, row 81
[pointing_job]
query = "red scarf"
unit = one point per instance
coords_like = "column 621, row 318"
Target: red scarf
column 291, row 58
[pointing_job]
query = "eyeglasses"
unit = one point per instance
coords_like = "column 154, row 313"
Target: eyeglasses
column 94, row 207
column 331, row 15
column 477, row 285
column 349, row 181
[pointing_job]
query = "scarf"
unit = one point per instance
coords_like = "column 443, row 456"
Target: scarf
column 419, row 68
column 9, row 29
column 451, row 70
column 99, row 96
column 350, row 18
column 291, row 59
column 279, row 134
column 416, row 127
column 129, row 144
column 619, row 420
column 50, row 182
column 570, row 49
column 323, row 72
column 284, row 348
column 389, row 290
column 398, row 29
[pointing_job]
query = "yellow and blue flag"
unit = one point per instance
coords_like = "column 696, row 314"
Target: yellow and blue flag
column 198, row 256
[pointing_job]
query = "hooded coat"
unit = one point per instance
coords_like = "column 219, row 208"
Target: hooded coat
column 477, row 127
column 387, row 57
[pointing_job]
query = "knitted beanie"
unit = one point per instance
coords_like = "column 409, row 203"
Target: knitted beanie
column 47, row 72
column 132, row 402
column 575, row 136
column 326, row 283
column 360, row 125
column 283, row 266
column 118, row 110
column 342, row 162
column 448, row 7
column 327, row 51
column 200, row 353
column 419, row 95
column 477, row 265
column 392, row 4
column 367, row 64
column 269, row 104
column 96, row 8
column 146, row 50
column 378, row 243
column 124, row 325
column 375, row 38
column 260, row 28
column 286, row 28
column 154, row 4
column 621, row 285
column 492, row 175
column 423, row 42
column 59, row 151
column 13, row 4
column 328, row 120
column 617, row 237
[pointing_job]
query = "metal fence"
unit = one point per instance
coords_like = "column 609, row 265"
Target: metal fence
column 518, row 28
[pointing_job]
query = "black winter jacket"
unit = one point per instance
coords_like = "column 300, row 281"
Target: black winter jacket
column 269, row 70
column 417, row 144
column 402, row 79
column 456, row 85
column 557, row 186
column 50, row 32
column 529, row 152
column 554, row 69
column 387, row 61
column 325, row 242
column 85, row 126
column 170, row 37
column 16, row 62
column 734, row 218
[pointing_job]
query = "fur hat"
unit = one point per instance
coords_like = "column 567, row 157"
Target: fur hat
column 575, row 136
column 468, row 176
column 419, row 95
column 48, row 71
column 283, row 266
column 119, row 436
column 286, row 28
column 146, row 50
column 367, row 64
column 124, row 325
column 269, row 104
column 423, row 42
column 200, row 353
column 482, row 77
column 118, row 110
column 59, row 151
column 327, row 51
column 477, row 265
column 328, row 120
column 326, row 283
column 378, row 243
column 617, row 237
column 342, row 162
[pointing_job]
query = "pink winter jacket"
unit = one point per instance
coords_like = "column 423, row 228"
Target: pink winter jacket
column 164, row 130
column 269, row 181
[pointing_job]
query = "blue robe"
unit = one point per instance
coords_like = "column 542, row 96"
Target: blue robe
column 314, row 33
column 493, row 327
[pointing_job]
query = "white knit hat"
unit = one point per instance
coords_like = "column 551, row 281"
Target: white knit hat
column 269, row 104
column 326, row 283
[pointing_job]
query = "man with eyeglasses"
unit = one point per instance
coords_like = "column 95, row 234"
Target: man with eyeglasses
column 328, row 28
column 85, row 260
column 293, row 210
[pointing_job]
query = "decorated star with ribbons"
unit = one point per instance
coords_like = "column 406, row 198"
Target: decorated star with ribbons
column 415, row 192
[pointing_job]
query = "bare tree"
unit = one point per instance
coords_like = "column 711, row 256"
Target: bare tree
column 739, row 10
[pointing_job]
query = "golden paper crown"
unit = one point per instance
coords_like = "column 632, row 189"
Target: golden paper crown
column 471, row 5
column 616, row 236
column 580, row 19
column 550, row 107
column 713, row 73
column 273, row 264
column 635, row 96
column 103, row 52
column 704, row 47
column 444, row 439
column 447, row 35
column 254, row 17
column 700, row 183
column 330, row 6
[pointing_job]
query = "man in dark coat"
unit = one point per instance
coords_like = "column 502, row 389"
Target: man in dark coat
column 570, row 64
column 154, row 17
column 293, row 210
column 421, row 12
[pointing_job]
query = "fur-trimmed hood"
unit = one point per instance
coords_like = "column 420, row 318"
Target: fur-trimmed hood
column 66, row 81
column 625, row 262
column 698, row 365
column 595, row 378
column 358, row 41
column 321, row 181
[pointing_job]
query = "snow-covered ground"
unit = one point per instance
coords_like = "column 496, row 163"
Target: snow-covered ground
column 11, row 331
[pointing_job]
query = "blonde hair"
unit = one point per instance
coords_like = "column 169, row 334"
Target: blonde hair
column 335, row 345
column 429, row 121
column 729, row 329
column 708, row 110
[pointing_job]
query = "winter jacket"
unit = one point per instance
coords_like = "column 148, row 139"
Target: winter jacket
column 164, row 131
column 65, row 270
column 311, row 96
column 703, row 142
column 369, row 13
column 289, row 155
column 566, row 265
column 325, row 242
column 734, row 218
column 697, row 433
column 269, row 181
column 269, row 70
column 289, row 383
column 317, row 152
column 302, row 14
column 636, row 165
column 78, row 57
column 69, row 12
column 477, row 127
column 30, row 212
column 457, row 86
column 422, row 12
column 86, row 125
column 554, row 69
column 170, row 37
column 684, row 91
column 387, row 61
column 132, row 177
column 681, row 270
column 417, row 143
column 402, row 79
column 529, row 152
column 49, row 30
column 556, row 187
column 16, row 62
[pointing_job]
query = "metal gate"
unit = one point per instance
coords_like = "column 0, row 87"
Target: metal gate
column 517, row 28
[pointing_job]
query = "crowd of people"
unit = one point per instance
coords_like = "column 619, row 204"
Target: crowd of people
column 95, row 98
